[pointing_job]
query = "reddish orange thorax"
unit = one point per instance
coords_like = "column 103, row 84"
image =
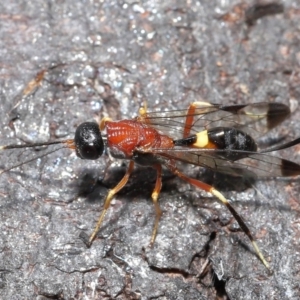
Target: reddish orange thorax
column 127, row 135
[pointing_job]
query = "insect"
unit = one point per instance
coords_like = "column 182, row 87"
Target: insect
column 220, row 138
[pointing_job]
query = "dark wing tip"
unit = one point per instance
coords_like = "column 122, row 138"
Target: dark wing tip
column 289, row 168
column 277, row 113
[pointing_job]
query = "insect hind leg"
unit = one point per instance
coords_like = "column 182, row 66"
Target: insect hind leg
column 189, row 121
column 210, row 189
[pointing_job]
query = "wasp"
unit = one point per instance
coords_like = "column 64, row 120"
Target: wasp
column 221, row 138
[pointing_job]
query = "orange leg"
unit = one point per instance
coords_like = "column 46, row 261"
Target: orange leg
column 108, row 199
column 103, row 121
column 143, row 114
column 143, row 110
column 219, row 196
column 154, row 197
column 190, row 116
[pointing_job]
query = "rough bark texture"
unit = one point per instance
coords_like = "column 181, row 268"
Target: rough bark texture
column 99, row 58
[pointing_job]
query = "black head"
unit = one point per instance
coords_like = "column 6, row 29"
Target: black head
column 88, row 141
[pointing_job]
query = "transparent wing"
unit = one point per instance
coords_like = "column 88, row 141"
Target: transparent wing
column 260, row 164
column 254, row 119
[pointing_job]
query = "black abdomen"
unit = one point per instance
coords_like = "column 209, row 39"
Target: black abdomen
column 232, row 140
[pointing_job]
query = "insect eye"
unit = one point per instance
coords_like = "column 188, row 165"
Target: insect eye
column 88, row 141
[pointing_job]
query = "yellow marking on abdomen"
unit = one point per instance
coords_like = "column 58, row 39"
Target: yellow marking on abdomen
column 202, row 139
